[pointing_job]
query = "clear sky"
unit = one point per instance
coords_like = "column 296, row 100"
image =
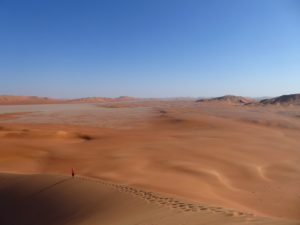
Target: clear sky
column 149, row 48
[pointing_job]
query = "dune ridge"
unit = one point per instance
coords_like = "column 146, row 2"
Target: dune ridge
column 27, row 100
column 228, row 99
column 57, row 199
column 18, row 100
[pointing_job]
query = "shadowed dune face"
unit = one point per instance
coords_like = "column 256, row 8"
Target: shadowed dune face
column 29, row 204
column 54, row 200
column 236, row 157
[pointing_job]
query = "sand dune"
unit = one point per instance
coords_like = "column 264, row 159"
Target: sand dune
column 14, row 100
column 241, row 157
column 27, row 100
column 101, row 99
column 56, row 199
column 293, row 99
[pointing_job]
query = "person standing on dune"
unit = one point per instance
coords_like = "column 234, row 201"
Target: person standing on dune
column 73, row 173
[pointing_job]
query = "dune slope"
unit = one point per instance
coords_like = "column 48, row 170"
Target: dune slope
column 60, row 200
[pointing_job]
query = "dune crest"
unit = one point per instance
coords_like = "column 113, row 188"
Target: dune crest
column 61, row 200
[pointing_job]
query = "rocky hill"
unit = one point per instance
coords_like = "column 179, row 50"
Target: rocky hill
column 230, row 99
column 293, row 99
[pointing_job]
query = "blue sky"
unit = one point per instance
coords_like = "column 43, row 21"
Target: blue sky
column 149, row 48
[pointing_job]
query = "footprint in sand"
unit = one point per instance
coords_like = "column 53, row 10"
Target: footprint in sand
column 152, row 198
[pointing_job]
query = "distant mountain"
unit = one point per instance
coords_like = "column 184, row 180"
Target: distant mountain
column 230, row 99
column 293, row 99
column 27, row 100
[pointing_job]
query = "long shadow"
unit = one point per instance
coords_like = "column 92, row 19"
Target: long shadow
column 37, row 209
column 47, row 188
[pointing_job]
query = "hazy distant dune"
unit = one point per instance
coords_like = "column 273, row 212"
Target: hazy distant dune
column 26, row 100
column 18, row 100
column 101, row 99
column 293, row 99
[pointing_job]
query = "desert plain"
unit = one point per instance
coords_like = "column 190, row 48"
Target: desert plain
column 150, row 162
